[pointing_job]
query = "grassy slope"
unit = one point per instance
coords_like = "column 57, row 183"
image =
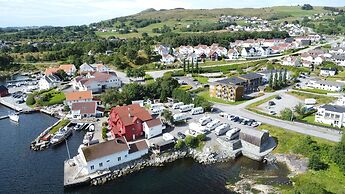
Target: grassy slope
column 320, row 99
column 182, row 18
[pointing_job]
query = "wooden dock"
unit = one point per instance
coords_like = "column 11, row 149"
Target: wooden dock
column 4, row 117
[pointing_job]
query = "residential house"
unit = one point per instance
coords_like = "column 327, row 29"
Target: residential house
column 153, row 128
column 127, row 121
column 70, row 69
column 81, row 110
column 111, row 153
column 161, row 49
column 186, row 50
column 291, row 61
column 168, row 59
column 233, row 54
column 331, row 114
column 96, row 82
column 100, row 68
column 3, row 91
column 201, row 49
column 328, row 71
column 326, row 85
column 86, row 68
column 339, row 59
column 341, row 101
column 78, row 96
column 266, row 74
column 337, row 50
column 48, row 81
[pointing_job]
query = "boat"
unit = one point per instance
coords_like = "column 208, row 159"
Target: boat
column 87, row 138
column 61, row 135
column 14, row 117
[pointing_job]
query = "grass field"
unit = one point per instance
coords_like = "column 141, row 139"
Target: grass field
column 315, row 90
column 202, row 80
column 320, row 99
column 61, row 124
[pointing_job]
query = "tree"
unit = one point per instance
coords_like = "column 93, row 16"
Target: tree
column 188, row 66
column 307, row 7
column 300, row 109
column 270, row 81
column 338, row 154
column 30, row 100
column 111, row 97
column 315, row 163
column 167, row 115
column 192, row 65
column 275, row 80
column 104, row 132
column 280, row 79
column 197, row 66
column 310, row 188
column 192, row 141
column 184, row 65
column 285, row 77
column 287, row 114
column 180, row 144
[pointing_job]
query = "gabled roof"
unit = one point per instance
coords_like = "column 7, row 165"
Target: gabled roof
column 85, row 107
column 3, row 88
column 334, row 108
column 138, row 146
column 103, row 149
column 231, row 81
column 67, row 67
column 78, row 95
column 153, row 122
column 250, row 76
column 128, row 113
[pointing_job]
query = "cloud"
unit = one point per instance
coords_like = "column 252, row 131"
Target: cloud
column 73, row 12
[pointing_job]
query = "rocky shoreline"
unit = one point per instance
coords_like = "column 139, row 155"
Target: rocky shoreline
column 203, row 157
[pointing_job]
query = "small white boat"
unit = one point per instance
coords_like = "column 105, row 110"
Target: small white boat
column 14, row 117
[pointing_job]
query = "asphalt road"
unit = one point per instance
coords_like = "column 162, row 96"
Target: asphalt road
column 321, row 132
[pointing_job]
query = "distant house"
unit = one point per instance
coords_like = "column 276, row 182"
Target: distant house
column 96, row 82
column 326, row 85
column 233, row 54
column 153, row 128
column 161, row 49
column 86, row 68
column 127, row 121
column 168, row 59
column 328, row 71
column 337, row 50
column 339, row 59
column 291, row 61
column 266, row 74
column 331, row 114
column 252, row 82
column 3, row 91
column 341, row 101
column 78, row 96
column 69, row 69
column 111, row 153
column 48, row 81
column 81, row 110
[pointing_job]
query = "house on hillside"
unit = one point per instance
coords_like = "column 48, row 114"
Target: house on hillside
column 168, row 59
column 291, row 61
column 48, row 81
column 327, row 71
column 326, row 85
column 82, row 110
column 69, row 69
column 78, row 96
column 96, row 82
column 153, row 128
column 333, row 115
column 233, row 54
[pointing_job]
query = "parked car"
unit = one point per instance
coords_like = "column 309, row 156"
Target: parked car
column 272, row 112
column 181, row 135
column 278, row 97
column 271, row 103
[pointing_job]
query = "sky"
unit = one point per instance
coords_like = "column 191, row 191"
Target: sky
column 78, row 12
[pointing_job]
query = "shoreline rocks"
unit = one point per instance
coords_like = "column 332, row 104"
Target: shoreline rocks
column 296, row 164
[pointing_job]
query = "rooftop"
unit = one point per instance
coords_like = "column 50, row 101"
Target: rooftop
column 105, row 149
column 85, row 107
column 153, row 122
column 251, row 76
column 138, row 146
column 79, row 95
column 334, row 108
column 127, row 113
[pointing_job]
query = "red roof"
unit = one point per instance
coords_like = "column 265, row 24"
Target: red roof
column 85, row 107
column 129, row 113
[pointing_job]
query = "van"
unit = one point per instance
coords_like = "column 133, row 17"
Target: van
column 232, row 134
column 186, row 108
column 204, row 120
column 222, row 129
column 198, row 128
column 157, row 111
column 156, row 106
column 177, row 105
column 180, row 117
column 197, row 110
column 213, row 124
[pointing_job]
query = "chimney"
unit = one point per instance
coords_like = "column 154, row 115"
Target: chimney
column 129, row 112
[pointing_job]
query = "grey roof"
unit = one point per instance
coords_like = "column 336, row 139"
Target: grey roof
column 253, row 132
column 231, row 80
column 52, row 78
column 249, row 48
column 328, row 69
column 289, row 40
column 325, row 82
column 339, row 57
column 271, row 70
column 3, row 88
column 251, row 76
column 334, row 108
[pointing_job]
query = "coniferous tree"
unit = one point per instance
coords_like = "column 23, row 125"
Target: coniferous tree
column 188, row 66
column 284, row 77
column 275, row 80
column 197, row 66
column 280, row 80
column 184, row 65
column 270, row 81
column 192, row 66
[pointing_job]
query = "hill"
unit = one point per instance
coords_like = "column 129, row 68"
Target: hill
column 176, row 19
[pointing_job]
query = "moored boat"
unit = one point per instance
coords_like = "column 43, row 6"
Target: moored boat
column 61, row 135
column 14, row 117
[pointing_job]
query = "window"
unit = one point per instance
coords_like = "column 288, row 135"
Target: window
column 92, row 167
column 100, row 164
column 119, row 159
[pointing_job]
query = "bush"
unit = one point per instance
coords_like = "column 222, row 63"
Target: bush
column 201, row 137
column 315, row 163
column 104, row 132
column 191, row 141
column 338, row 154
column 180, row 144
column 287, row 114
column 30, row 100
column 310, row 188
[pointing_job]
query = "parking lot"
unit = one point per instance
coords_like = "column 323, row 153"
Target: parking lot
column 274, row 106
column 188, row 81
column 211, row 137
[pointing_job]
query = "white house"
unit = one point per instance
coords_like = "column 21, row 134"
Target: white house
column 326, row 85
column 339, row 59
column 161, row 49
column 266, row 74
column 291, row 61
column 233, row 54
column 111, row 153
column 78, row 96
column 48, row 81
column 337, row 50
column 81, row 110
column 168, row 59
column 86, row 68
column 331, row 114
column 185, row 50
column 328, row 72
column 341, row 101
column 96, row 82
column 153, row 128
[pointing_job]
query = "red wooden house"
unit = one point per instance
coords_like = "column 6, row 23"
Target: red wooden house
column 3, row 91
column 128, row 121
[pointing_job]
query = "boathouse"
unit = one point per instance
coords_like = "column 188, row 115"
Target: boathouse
column 253, row 139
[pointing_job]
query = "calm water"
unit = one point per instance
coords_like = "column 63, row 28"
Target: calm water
column 26, row 171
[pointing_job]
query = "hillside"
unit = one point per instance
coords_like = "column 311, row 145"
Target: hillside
column 176, row 19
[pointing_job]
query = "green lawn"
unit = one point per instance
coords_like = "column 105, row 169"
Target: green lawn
column 315, row 90
column 202, row 80
column 186, row 87
column 49, row 97
column 311, row 120
column 255, row 104
column 206, row 95
column 61, row 124
column 320, row 99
